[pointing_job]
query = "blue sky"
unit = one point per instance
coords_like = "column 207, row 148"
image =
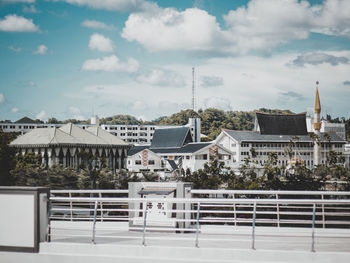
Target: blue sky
column 72, row 58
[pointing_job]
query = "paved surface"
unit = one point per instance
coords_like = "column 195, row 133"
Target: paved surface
column 227, row 237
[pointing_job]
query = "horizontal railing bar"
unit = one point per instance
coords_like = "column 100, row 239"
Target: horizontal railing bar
column 112, row 191
column 200, row 200
column 269, row 192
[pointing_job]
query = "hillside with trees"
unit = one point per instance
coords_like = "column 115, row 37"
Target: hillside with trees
column 213, row 120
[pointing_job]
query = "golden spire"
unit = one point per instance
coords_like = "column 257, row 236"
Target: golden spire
column 317, row 101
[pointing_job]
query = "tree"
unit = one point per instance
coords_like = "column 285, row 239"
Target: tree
column 7, row 157
column 207, row 178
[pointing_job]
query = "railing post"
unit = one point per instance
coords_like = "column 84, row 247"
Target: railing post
column 234, row 210
column 197, row 223
column 323, row 214
column 101, row 207
column 70, row 206
column 144, row 224
column 253, row 227
column 278, row 211
column 313, row 228
column 48, row 227
column 94, row 223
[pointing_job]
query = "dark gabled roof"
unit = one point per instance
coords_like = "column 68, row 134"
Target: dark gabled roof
column 188, row 148
column 282, row 124
column 25, row 120
column 193, row 147
column 136, row 149
column 171, row 138
column 173, row 165
column 252, row 136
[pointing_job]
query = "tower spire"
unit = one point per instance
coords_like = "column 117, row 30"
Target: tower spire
column 317, row 100
column 317, row 127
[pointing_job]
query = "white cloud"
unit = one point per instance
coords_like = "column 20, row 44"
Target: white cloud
column 31, row 83
column 162, row 78
column 41, row 50
column 14, row 23
column 111, row 64
column 115, row 5
column 316, row 58
column 41, row 115
column 100, row 43
column 75, row 113
column 2, row 98
column 14, row 109
column 169, row 29
column 30, row 9
column 97, row 25
column 261, row 25
column 15, row 49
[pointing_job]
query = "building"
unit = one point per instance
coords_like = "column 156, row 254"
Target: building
column 282, row 132
column 172, row 150
column 63, row 145
column 132, row 134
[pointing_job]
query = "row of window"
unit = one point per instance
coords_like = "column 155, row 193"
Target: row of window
column 20, row 127
column 129, row 134
column 279, row 145
column 129, row 128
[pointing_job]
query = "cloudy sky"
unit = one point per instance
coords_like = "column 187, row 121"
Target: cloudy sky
column 73, row 58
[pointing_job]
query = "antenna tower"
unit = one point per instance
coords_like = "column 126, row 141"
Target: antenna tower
column 193, row 96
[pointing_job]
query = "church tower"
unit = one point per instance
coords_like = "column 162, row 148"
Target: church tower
column 317, row 127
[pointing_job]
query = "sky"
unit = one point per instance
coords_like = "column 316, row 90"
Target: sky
column 76, row 58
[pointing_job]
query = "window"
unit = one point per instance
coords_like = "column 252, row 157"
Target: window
column 151, row 162
column 205, row 157
column 122, row 128
column 187, row 157
column 137, row 162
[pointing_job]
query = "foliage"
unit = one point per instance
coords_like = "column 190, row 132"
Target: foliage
column 7, row 157
column 207, row 178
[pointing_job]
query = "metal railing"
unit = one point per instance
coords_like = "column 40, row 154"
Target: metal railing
column 191, row 215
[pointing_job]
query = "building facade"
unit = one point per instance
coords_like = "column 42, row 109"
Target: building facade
column 173, row 150
column 132, row 134
column 66, row 144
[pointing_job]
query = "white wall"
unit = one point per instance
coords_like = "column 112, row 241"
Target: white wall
column 17, row 220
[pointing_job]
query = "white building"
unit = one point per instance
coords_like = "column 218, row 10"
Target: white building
column 63, row 145
column 173, row 150
column 278, row 132
column 132, row 134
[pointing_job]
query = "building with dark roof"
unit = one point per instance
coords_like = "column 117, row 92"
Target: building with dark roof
column 281, row 124
column 171, row 138
column 173, row 150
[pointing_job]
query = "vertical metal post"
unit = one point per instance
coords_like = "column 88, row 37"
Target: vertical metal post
column 144, row 224
column 94, row 223
column 71, row 207
column 253, row 227
column 48, row 227
column 323, row 214
column 197, row 223
column 234, row 210
column 101, row 206
column 313, row 228
column 278, row 211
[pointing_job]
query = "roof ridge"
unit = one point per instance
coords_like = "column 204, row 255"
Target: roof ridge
column 291, row 114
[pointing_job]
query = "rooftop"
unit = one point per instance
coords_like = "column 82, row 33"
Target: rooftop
column 282, row 124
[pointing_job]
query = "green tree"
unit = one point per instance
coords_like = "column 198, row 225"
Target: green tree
column 7, row 157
